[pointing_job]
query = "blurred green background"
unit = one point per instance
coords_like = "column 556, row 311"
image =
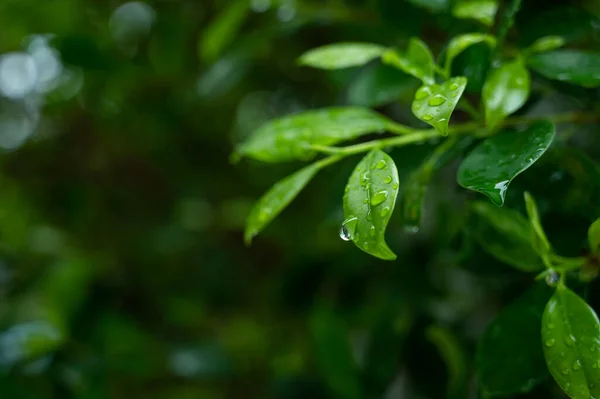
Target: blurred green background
column 123, row 272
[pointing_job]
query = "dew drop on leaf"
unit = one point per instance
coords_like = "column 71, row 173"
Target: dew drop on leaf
column 384, row 211
column 379, row 197
column 387, row 179
column 436, row 100
column 381, row 164
column 552, row 279
column 550, row 342
column 427, row 117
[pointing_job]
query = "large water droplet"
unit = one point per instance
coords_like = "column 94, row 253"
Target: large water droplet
column 395, row 186
column 436, row 100
column 379, row 197
column 576, row 365
column 387, row 179
column 570, row 341
column 384, row 211
column 427, row 117
column 453, row 86
column 372, row 231
column 347, row 229
column 366, row 244
column 421, row 94
column 550, row 342
column 552, row 279
column 380, row 164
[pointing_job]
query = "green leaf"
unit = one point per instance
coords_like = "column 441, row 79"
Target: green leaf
column 276, row 199
column 451, row 352
column 369, row 201
column 222, row 31
column 416, row 61
column 540, row 241
column 341, row 55
column 434, row 104
column 594, row 237
column 460, row 43
column 572, row 66
column 573, row 24
column 505, row 91
column 571, row 338
column 334, row 355
column 506, row 20
column 506, row 235
column 483, row 11
column 510, row 359
column 494, row 163
column 290, row 137
column 545, row 44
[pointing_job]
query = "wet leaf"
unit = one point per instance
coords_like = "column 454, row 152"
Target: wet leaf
column 505, row 91
column 510, row 358
column 222, row 31
column 483, row 11
column 460, row 43
column 506, row 235
column 594, row 236
column 492, row 165
column 369, row 201
column 545, row 44
column 571, row 342
column 276, row 200
column 289, row 138
column 540, row 241
column 341, row 55
column 416, row 61
column 434, row 104
column 572, row 66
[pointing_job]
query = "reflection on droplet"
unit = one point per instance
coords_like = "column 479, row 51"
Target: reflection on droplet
column 436, row 100
column 427, row 117
column 347, row 229
column 380, row 164
column 385, row 211
column 577, row 365
column 372, row 231
column 379, row 197
column 387, row 179
column 18, row 75
column 395, row 186
column 502, row 186
column 131, row 21
column 570, row 341
column 550, row 342
column 552, row 279
column 421, row 94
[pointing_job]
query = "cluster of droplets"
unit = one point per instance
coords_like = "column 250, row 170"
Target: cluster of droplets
column 436, row 100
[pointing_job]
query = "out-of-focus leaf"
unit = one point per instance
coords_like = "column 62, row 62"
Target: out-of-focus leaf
column 483, row 11
column 270, row 205
column 416, row 61
column 506, row 235
column 492, row 165
column 223, row 30
column 453, row 356
column 594, row 236
column 290, row 137
column 545, row 44
column 510, row 359
column 505, row 91
column 341, row 55
column 460, row 43
column 506, row 20
column 434, row 104
column 572, row 66
column 570, row 23
column 432, row 5
column 540, row 241
column 380, row 85
column 369, row 201
column 473, row 64
column 571, row 338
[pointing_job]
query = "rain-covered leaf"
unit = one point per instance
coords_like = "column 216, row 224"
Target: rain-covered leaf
column 540, row 241
column 290, row 137
column 506, row 235
column 545, row 44
column 492, row 165
column 341, row 55
column 417, row 60
column 369, row 202
column 483, row 11
column 434, row 104
column 571, row 342
column 460, row 43
column 505, row 91
column 594, row 236
column 572, row 66
column 222, row 31
column 509, row 356
column 276, row 199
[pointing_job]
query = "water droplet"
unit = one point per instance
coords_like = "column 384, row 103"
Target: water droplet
column 427, row 117
column 366, row 245
column 576, row 365
column 417, row 106
column 347, row 229
column 565, row 371
column 421, row 94
column 436, row 100
column 395, row 186
column 372, row 231
column 364, row 179
column 369, row 217
column 387, row 179
column 365, row 201
column 384, row 211
column 410, row 229
column 453, row 86
column 347, row 189
column 380, row 164
column 552, row 279
column 550, row 342
column 570, row 341
column 551, row 326
column 379, row 197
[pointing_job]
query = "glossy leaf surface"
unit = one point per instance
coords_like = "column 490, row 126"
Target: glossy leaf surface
column 540, row 241
column 572, row 66
column 506, row 235
column 594, row 236
column 545, row 44
column 276, row 200
column 369, row 201
column 289, row 138
column 434, row 104
column 571, row 342
column 460, row 43
column 341, row 55
column 510, row 358
column 492, row 165
column 505, row 91
column 483, row 11
column 417, row 60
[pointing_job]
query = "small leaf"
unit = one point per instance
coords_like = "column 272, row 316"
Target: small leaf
column 545, row 44
column 506, row 235
column 276, row 200
column 483, row 11
column 571, row 341
column 492, row 165
column 540, row 241
column 290, row 137
column 222, row 31
column 341, row 55
column 434, row 104
column 594, row 237
column 572, row 66
column 510, row 359
column 505, row 91
column 416, row 61
column 460, row 43
column 369, row 201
